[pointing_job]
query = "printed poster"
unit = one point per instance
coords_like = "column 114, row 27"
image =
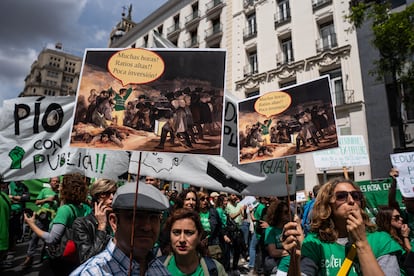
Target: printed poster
column 295, row 120
column 222, row 173
column 158, row 100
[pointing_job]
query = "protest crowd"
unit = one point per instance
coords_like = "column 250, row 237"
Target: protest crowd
column 89, row 226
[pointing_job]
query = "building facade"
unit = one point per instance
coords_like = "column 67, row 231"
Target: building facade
column 272, row 44
column 54, row 73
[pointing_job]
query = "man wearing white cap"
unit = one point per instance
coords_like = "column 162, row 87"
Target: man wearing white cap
column 115, row 259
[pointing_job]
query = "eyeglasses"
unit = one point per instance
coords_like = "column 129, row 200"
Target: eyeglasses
column 397, row 217
column 343, row 195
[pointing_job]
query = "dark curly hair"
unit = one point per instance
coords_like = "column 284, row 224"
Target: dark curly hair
column 278, row 213
column 74, row 189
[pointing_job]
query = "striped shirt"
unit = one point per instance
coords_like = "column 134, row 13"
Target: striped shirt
column 112, row 261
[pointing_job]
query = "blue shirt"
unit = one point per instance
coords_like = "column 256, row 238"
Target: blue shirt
column 112, row 261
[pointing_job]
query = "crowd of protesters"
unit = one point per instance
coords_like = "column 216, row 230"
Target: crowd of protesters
column 196, row 231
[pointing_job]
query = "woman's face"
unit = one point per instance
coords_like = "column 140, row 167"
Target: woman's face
column 184, row 237
column 203, row 201
column 396, row 220
column 346, row 199
column 190, row 201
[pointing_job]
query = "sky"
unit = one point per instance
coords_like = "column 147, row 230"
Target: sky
column 28, row 26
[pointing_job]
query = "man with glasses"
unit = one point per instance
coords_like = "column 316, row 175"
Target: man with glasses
column 135, row 221
column 93, row 232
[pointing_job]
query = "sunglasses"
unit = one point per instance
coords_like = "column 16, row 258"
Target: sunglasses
column 397, row 217
column 343, row 195
column 108, row 193
column 203, row 198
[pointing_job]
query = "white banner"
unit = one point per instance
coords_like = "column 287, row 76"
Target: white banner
column 34, row 142
column 404, row 162
column 266, row 178
column 351, row 152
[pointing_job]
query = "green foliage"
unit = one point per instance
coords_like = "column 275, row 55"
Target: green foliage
column 393, row 36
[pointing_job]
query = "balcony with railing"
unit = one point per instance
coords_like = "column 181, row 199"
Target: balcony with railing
column 282, row 59
column 326, row 43
column 282, row 18
column 214, row 33
column 319, row 4
column 249, row 33
column 173, row 31
column 249, row 70
column 213, row 7
column 192, row 20
column 193, row 42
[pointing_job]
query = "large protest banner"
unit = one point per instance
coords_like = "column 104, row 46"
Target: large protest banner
column 297, row 119
column 376, row 193
column 404, row 162
column 164, row 100
column 351, row 152
column 266, row 178
column 34, row 142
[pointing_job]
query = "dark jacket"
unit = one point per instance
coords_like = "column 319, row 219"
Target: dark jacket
column 89, row 240
column 215, row 227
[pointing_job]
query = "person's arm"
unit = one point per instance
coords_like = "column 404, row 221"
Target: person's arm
column 392, row 192
column 42, row 201
column 89, row 240
column 356, row 229
column 54, row 235
column 239, row 213
column 276, row 252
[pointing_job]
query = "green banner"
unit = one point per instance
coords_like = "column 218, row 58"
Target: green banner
column 376, row 193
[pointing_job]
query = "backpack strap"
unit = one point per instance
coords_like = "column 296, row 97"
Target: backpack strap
column 210, row 264
column 165, row 259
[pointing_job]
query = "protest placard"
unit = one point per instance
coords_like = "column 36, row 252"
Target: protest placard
column 164, row 100
column 34, row 142
column 351, row 152
column 222, row 173
column 404, row 162
column 294, row 120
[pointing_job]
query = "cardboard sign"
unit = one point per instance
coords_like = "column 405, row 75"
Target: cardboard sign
column 404, row 162
column 351, row 152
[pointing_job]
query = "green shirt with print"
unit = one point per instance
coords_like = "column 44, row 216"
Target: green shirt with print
column 330, row 256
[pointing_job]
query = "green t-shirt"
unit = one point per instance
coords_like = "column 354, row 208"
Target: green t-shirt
column 222, row 216
column 231, row 209
column 5, row 208
column 258, row 215
column 46, row 193
column 174, row 270
column 330, row 256
column 17, row 189
column 66, row 216
column 205, row 222
column 272, row 236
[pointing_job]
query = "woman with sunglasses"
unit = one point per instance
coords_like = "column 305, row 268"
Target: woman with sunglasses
column 93, row 232
column 343, row 241
column 389, row 220
column 187, row 250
